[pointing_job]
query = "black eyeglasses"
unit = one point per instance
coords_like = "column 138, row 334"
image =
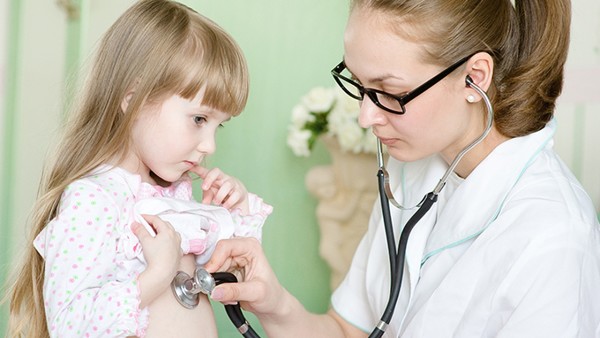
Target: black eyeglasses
column 386, row 101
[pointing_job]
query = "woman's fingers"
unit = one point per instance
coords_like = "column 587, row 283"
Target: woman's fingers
column 235, row 253
column 258, row 290
column 250, row 291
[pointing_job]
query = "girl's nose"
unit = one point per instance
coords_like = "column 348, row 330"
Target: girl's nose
column 207, row 145
column 370, row 114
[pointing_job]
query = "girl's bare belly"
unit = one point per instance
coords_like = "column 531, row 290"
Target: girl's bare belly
column 169, row 319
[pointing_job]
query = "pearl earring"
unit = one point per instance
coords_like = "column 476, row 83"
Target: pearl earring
column 470, row 98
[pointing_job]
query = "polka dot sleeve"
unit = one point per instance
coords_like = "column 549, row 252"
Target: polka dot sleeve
column 87, row 292
column 251, row 225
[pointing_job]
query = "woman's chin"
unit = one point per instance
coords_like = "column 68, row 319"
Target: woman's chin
column 405, row 155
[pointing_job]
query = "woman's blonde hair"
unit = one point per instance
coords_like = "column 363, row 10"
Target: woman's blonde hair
column 158, row 48
column 528, row 42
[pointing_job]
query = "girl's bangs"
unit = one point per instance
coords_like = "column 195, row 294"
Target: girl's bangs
column 222, row 70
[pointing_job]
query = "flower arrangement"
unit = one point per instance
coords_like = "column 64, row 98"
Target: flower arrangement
column 328, row 111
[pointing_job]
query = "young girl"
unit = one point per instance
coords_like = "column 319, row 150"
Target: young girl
column 164, row 80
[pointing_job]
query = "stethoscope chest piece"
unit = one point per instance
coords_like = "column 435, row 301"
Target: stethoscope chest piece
column 186, row 288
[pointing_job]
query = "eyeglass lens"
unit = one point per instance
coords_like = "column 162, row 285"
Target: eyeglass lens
column 380, row 98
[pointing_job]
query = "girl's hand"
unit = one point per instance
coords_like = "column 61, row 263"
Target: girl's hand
column 162, row 252
column 163, row 255
column 221, row 189
column 258, row 289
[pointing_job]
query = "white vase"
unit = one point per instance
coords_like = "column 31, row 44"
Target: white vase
column 346, row 190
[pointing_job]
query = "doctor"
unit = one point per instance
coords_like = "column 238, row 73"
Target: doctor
column 511, row 248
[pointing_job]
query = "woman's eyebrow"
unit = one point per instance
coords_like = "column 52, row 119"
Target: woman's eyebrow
column 377, row 79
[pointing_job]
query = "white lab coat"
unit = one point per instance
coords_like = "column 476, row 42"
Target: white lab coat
column 511, row 251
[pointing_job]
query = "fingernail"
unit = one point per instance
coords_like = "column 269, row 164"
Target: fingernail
column 216, row 294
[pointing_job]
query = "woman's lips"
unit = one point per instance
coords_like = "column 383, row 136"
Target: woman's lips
column 387, row 141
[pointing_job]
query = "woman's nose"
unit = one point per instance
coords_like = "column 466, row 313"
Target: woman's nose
column 370, row 114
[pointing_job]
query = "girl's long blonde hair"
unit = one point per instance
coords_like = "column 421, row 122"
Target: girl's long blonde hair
column 528, row 42
column 160, row 48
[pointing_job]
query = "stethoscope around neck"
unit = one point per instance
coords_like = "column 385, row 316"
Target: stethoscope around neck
column 397, row 256
column 187, row 288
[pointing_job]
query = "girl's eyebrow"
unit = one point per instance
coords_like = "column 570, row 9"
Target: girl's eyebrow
column 212, row 111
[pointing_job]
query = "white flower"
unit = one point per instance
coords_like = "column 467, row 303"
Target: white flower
column 298, row 141
column 331, row 111
column 350, row 137
column 335, row 120
column 301, row 115
column 319, row 99
column 346, row 105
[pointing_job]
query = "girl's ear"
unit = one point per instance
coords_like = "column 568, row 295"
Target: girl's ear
column 125, row 101
column 480, row 68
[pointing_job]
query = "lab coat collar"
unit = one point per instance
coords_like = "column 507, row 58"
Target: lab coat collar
column 492, row 180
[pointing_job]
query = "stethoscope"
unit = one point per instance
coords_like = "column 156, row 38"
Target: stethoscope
column 187, row 291
column 187, row 288
column 386, row 197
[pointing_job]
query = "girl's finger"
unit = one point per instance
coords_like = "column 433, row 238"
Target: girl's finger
column 200, row 171
column 211, row 178
column 207, row 196
column 232, row 200
column 139, row 231
column 158, row 224
column 223, row 193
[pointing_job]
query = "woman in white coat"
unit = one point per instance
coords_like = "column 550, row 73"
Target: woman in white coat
column 511, row 248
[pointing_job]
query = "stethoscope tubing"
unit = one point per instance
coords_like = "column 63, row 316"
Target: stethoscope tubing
column 387, row 223
column 397, row 256
column 234, row 311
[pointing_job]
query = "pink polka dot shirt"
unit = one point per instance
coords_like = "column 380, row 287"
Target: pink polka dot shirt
column 90, row 278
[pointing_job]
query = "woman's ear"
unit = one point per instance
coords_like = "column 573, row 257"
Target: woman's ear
column 480, row 68
column 126, row 100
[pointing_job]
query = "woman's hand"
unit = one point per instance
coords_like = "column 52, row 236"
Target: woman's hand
column 258, row 289
column 221, row 189
column 163, row 255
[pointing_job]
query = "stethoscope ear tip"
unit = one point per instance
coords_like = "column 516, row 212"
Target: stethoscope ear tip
column 469, row 80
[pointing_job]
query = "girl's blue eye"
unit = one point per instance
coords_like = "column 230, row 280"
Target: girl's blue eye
column 199, row 119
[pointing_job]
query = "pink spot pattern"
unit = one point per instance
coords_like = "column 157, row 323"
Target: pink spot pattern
column 90, row 281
